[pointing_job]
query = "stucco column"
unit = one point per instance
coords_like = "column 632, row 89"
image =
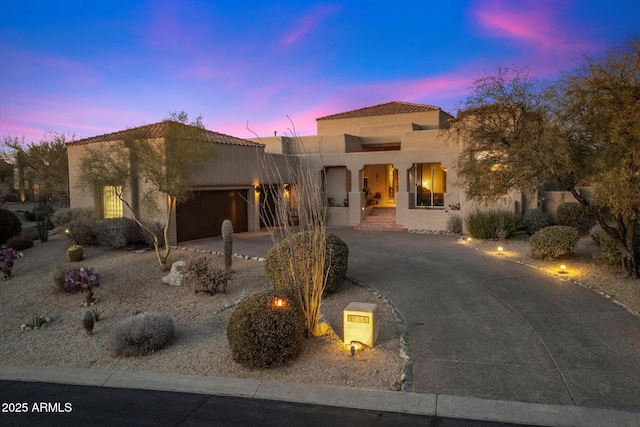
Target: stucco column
column 253, row 210
column 356, row 196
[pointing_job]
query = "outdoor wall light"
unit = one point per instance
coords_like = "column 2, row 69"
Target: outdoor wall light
column 287, row 188
column 258, row 189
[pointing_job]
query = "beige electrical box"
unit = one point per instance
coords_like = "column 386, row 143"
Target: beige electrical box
column 361, row 323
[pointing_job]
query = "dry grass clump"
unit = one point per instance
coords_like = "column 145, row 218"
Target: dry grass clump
column 142, row 334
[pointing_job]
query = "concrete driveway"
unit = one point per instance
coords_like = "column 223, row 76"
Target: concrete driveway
column 486, row 327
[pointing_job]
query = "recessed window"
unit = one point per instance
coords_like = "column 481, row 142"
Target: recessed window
column 111, row 203
column 430, row 184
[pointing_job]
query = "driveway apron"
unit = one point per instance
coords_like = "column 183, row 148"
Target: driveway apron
column 487, row 327
column 483, row 326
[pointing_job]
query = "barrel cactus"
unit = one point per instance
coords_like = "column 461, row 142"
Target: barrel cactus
column 88, row 320
column 75, row 253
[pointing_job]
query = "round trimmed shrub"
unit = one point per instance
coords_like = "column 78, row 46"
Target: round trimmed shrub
column 573, row 215
column 20, row 242
column 262, row 334
column 535, row 220
column 554, row 242
column 10, row 225
column 142, row 334
column 298, row 248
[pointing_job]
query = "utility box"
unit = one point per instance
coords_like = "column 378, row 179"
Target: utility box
column 361, row 323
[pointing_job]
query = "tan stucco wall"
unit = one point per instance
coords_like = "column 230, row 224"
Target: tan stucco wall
column 353, row 126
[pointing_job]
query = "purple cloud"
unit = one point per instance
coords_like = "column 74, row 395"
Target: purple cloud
column 307, row 24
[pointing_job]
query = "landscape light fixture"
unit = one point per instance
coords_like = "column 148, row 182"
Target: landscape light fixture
column 279, row 303
column 563, row 269
column 499, row 250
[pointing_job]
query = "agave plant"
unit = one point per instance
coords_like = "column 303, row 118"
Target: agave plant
column 82, row 280
column 7, row 257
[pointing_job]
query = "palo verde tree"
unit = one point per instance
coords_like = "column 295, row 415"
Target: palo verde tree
column 154, row 164
column 517, row 132
column 46, row 166
column 45, row 163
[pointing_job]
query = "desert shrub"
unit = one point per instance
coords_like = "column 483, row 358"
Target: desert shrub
column 82, row 230
column 10, row 225
column 554, row 242
column 117, row 232
column 202, row 276
column 142, row 334
column 573, row 215
column 298, row 247
column 29, row 216
column 495, row 224
column 20, row 242
column 535, row 220
column 63, row 217
column 454, row 224
column 263, row 333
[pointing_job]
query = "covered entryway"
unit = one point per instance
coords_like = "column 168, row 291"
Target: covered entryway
column 202, row 216
column 382, row 183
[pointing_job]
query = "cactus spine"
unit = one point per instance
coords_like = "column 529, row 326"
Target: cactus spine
column 88, row 320
column 227, row 237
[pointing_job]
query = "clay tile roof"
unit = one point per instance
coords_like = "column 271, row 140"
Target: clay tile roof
column 395, row 107
column 159, row 130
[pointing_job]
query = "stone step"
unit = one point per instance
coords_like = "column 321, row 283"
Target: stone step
column 380, row 219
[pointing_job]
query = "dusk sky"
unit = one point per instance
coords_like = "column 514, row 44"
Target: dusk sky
column 94, row 67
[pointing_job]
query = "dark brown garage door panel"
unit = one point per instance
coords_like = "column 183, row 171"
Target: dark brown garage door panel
column 202, row 216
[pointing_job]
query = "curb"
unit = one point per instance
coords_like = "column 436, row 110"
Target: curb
column 388, row 401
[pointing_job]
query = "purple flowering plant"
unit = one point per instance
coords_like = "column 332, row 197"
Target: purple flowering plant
column 82, row 280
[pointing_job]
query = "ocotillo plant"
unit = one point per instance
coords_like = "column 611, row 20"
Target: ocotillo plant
column 227, row 237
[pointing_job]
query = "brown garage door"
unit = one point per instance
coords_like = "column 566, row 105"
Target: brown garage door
column 202, row 216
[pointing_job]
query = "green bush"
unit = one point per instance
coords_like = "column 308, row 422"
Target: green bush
column 20, row 242
column 117, row 232
column 535, row 220
column 142, row 334
column 494, row 224
column 202, row 276
column 554, row 242
column 298, row 247
column 82, row 230
column 10, row 225
column 262, row 334
column 573, row 215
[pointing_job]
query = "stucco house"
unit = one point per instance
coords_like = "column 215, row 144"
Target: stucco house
column 397, row 152
column 386, row 166
column 226, row 188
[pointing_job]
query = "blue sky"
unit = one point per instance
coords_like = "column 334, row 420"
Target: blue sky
column 94, row 67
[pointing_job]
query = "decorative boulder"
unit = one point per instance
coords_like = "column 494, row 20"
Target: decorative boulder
column 175, row 276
